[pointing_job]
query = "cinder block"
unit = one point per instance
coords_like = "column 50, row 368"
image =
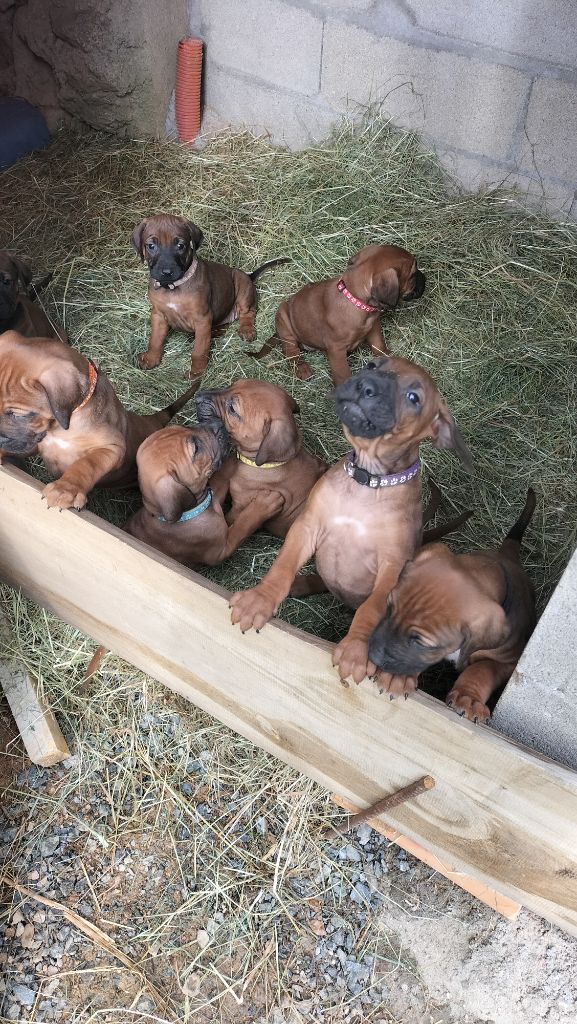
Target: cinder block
column 552, row 129
column 289, row 119
column 472, row 174
column 521, row 27
column 539, row 704
column 275, row 42
column 456, row 100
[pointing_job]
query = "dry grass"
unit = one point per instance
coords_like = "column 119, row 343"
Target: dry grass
column 496, row 328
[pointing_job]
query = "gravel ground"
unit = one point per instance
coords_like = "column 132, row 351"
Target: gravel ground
column 210, row 880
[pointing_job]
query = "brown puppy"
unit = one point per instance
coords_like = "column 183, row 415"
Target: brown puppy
column 18, row 311
column 271, row 464
column 336, row 316
column 363, row 518
column 475, row 610
column 188, row 293
column 55, row 402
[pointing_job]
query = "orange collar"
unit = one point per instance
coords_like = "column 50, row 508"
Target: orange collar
column 92, row 378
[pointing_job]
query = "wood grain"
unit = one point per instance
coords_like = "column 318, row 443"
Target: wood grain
column 495, row 900
column 499, row 812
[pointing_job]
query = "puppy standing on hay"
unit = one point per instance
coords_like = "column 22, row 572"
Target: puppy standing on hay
column 476, row 610
column 55, row 402
column 271, row 476
column 336, row 316
column 18, row 311
column 363, row 518
column 191, row 294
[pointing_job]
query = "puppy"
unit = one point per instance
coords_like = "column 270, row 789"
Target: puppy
column 18, row 311
column 272, row 473
column 55, row 402
column 476, row 610
column 363, row 517
column 188, row 293
column 336, row 316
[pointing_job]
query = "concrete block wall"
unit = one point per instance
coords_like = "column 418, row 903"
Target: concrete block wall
column 492, row 84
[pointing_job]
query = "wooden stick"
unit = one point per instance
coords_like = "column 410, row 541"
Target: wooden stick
column 381, row 806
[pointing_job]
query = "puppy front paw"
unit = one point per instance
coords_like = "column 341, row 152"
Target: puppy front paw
column 61, row 494
column 251, row 609
column 395, row 686
column 467, row 705
column 351, row 658
column 147, row 361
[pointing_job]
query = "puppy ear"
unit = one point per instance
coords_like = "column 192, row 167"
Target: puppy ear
column 294, row 406
column 280, row 443
column 64, row 387
column 22, row 272
column 196, row 235
column 446, row 434
column 385, row 288
column 486, row 631
column 171, row 498
column 137, row 238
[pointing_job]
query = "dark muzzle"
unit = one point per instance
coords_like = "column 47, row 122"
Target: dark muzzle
column 366, row 403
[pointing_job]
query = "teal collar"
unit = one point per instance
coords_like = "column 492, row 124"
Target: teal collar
column 192, row 513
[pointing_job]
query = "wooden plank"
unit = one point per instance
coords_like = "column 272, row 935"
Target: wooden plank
column 40, row 732
column 499, row 812
column 495, row 900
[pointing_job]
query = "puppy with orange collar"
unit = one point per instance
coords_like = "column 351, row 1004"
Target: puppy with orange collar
column 56, row 402
column 338, row 315
column 190, row 294
column 475, row 610
column 270, row 459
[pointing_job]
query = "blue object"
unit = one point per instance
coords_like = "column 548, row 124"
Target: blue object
column 193, row 512
column 22, row 129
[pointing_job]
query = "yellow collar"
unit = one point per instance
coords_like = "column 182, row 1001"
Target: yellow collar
column 265, row 465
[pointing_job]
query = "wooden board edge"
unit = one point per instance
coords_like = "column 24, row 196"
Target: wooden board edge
column 497, row 901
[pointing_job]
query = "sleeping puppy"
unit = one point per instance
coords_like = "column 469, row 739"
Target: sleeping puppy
column 190, row 294
column 271, row 475
column 476, row 610
column 18, row 311
column 338, row 315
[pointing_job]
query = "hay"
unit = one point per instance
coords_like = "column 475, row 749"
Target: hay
column 496, row 329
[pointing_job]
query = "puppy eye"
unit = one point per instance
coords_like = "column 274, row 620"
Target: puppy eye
column 231, row 409
column 180, row 245
column 413, row 398
column 151, row 246
column 417, row 640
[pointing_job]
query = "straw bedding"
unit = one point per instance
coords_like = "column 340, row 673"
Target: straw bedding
column 495, row 328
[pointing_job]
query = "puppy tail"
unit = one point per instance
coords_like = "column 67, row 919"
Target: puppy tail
column 518, row 529
column 38, row 286
column 165, row 415
column 265, row 266
column 429, row 536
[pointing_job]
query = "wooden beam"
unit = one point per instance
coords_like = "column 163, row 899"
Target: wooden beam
column 495, row 900
column 40, row 732
column 499, row 812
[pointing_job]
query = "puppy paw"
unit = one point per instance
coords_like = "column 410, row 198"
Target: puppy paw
column 247, row 334
column 195, row 372
column 251, row 609
column 467, row 706
column 146, row 361
column 351, row 658
column 303, row 371
column 395, row 686
column 61, row 494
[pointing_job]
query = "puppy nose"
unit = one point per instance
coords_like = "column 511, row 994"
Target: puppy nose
column 367, row 389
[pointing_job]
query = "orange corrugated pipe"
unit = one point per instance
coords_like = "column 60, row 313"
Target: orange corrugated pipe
column 188, row 81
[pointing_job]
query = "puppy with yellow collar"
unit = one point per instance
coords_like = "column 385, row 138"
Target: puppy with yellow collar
column 271, row 474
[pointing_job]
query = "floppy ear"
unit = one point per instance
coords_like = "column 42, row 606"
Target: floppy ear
column 280, row 443
column 64, row 387
column 196, row 235
column 446, row 434
column 485, row 631
column 294, row 406
column 385, row 288
column 137, row 238
column 22, row 271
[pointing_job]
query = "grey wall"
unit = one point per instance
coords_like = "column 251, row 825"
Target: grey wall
column 492, row 83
